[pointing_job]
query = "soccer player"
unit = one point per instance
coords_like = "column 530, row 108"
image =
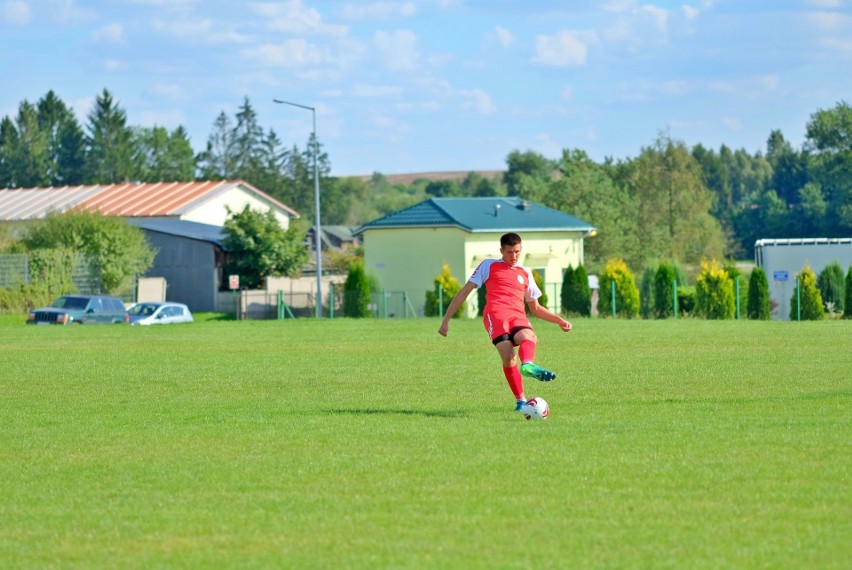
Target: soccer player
column 508, row 287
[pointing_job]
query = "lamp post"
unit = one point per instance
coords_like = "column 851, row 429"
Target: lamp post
column 317, row 238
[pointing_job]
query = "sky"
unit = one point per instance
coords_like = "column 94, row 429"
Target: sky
column 442, row 85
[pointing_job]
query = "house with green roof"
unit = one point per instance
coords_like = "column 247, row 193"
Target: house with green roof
column 407, row 249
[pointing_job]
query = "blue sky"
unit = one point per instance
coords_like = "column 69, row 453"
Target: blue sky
column 436, row 85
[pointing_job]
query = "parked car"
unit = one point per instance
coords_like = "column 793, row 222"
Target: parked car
column 80, row 309
column 159, row 313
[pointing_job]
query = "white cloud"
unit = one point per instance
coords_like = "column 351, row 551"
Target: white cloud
column 478, row 100
column 567, row 93
column 167, row 118
column 113, row 65
column 292, row 18
column 111, row 33
column 830, row 20
column 826, row 3
column 199, row 31
column 659, row 16
column 843, row 45
column 566, row 48
column 290, row 53
column 15, row 13
column 690, row 13
column 168, row 91
column 398, row 49
column 379, row 10
column 504, row 36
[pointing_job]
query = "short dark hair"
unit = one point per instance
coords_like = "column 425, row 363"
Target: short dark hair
column 510, row 239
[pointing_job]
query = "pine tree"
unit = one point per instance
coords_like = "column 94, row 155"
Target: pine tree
column 811, row 307
column 759, row 306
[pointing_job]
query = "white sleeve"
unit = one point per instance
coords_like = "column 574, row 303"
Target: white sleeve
column 481, row 273
column 533, row 292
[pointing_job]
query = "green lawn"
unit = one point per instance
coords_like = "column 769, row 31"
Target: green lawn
column 380, row 444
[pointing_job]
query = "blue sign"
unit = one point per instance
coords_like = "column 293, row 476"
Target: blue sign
column 780, row 276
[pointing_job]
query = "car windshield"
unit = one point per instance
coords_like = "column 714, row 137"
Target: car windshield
column 143, row 310
column 70, row 303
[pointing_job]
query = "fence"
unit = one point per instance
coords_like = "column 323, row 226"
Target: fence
column 15, row 269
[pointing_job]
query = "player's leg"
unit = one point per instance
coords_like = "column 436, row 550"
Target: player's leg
column 526, row 340
column 506, row 350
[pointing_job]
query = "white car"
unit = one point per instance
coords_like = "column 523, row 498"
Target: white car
column 159, row 313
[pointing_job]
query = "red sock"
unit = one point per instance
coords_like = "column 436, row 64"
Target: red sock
column 516, row 381
column 526, row 351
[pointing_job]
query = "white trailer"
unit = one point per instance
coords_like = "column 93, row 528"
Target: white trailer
column 784, row 259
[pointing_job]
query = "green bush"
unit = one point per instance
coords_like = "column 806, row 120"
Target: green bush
column 811, row 299
column 646, row 291
column 664, row 280
column 539, row 280
column 49, row 277
column 847, row 298
column 449, row 287
column 356, row 293
column 686, row 300
column 626, row 292
column 714, row 293
column 759, row 305
column 832, row 287
column 576, row 294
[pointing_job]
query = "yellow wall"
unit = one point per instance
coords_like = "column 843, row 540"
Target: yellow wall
column 409, row 259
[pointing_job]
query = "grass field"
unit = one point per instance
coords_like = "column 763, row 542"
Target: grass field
column 380, row 444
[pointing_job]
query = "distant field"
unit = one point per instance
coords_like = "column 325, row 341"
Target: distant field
column 380, row 444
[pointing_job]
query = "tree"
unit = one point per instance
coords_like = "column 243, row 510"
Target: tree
column 66, row 142
column 356, row 291
column 806, row 303
column 161, row 156
column 218, row 162
column 528, row 174
column 626, row 293
column 714, row 292
column 258, row 247
column 109, row 157
column 31, row 154
column 576, row 294
column 118, row 250
column 832, row 287
column 449, row 286
column 829, row 137
column 759, row 305
column 584, row 189
column 664, row 291
column 673, row 203
column 848, row 296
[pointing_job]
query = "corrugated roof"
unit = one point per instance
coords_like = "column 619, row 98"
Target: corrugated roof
column 474, row 215
column 128, row 200
column 182, row 228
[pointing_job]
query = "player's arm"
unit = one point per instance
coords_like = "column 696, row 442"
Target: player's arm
column 546, row 314
column 454, row 306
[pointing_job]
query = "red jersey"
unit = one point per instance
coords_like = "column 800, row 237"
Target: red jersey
column 508, row 287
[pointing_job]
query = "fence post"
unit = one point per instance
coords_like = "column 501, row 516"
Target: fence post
column 674, row 297
column 384, row 303
column 737, row 292
column 798, row 299
column 280, row 305
column 440, row 301
column 557, row 302
column 331, row 301
column 613, row 297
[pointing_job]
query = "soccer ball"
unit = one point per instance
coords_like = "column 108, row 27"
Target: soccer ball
column 535, row 409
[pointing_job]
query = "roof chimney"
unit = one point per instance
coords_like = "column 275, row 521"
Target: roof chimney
column 497, row 209
column 524, row 205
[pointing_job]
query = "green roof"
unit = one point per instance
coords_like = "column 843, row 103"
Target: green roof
column 495, row 214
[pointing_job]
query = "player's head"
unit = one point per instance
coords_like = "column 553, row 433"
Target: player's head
column 510, row 248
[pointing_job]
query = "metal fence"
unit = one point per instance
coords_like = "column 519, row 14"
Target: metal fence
column 15, row 270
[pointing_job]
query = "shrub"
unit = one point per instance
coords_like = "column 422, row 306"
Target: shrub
column 626, row 292
column 847, row 299
column 759, row 306
column 356, row 293
column 832, row 287
column 664, row 291
column 449, row 287
column 539, row 281
column 811, row 308
column 714, row 292
column 646, row 291
column 576, row 294
column 686, row 300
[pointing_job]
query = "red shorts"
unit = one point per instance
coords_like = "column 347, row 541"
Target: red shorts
column 503, row 326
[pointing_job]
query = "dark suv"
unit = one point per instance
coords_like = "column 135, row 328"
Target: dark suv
column 80, row 309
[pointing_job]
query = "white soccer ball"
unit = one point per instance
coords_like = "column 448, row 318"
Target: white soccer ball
column 536, row 409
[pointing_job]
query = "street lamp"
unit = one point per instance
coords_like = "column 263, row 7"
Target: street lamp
column 318, row 240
